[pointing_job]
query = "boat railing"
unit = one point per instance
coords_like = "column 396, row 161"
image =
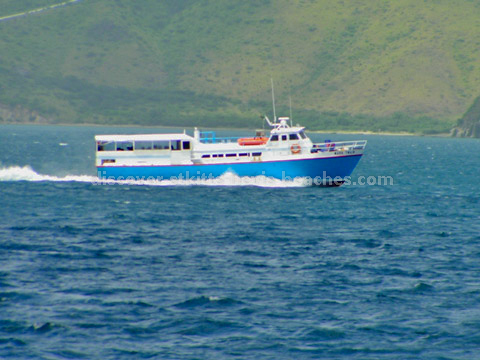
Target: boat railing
column 339, row 145
column 219, row 140
column 209, row 137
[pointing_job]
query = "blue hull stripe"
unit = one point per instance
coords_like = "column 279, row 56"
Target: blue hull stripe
column 331, row 167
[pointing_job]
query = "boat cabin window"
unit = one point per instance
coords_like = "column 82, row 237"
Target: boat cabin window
column 274, row 138
column 217, row 155
column 302, row 135
column 143, row 145
column 257, row 154
column 124, row 145
column 108, row 161
column 186, row 145
column 284, row 137
column 243, row 154
column 161, row 145
column 175, row 145
column 231, row 155
column 293, row 137
column 106, row 146
column 206, row 156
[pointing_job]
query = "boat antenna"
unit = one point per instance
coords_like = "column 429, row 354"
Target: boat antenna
column 273, row 102
column 291, row 117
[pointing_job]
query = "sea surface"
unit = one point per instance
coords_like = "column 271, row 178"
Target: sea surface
column 238, row 268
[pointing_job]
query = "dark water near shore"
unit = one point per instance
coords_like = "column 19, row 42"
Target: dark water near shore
column 222, row 271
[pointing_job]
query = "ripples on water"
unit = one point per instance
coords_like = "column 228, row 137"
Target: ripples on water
column 200, row 271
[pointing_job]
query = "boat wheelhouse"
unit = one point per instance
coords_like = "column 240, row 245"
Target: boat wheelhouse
column 285, row 154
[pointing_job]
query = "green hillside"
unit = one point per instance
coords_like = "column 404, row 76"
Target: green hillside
column 374, row 65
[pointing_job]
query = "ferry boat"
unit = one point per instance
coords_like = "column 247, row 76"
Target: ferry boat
column 286, row 153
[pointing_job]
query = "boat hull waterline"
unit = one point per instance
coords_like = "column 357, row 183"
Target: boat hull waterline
column 323, row 171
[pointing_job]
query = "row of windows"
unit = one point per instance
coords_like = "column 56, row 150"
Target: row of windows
column 143, row 145
column 206, row 156
column 286, row 137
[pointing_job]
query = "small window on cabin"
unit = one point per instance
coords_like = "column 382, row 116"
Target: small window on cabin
column 186, row 145
column 206, row 156
column 231, row 155
column 220, row 155
column 161, row 145
column 284, row 137
column 175, row 145
column 243, row 154
column 124, row 145
column 302, row 135
column 274, row 138
column 143, row 145
column 106, row 146
column 257, row 154
column 293, row 137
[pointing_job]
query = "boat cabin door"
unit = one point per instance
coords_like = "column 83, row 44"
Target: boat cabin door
column 180, row 152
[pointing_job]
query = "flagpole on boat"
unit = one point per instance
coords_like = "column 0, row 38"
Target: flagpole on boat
column 273, row 102
column 291, row 117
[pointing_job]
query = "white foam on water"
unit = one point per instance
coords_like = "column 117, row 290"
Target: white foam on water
column 26, row 173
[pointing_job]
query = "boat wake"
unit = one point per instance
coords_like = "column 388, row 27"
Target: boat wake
column 26, row 173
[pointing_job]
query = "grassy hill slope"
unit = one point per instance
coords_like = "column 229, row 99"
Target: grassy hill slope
column 353, row 65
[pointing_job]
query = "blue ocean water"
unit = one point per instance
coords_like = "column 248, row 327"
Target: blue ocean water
column 238, row 270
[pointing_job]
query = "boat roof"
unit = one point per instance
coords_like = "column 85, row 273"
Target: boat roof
column 293, row 129
column 280, row 125
column 143, row 137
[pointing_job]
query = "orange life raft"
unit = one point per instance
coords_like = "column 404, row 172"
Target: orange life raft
column 252, row 141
